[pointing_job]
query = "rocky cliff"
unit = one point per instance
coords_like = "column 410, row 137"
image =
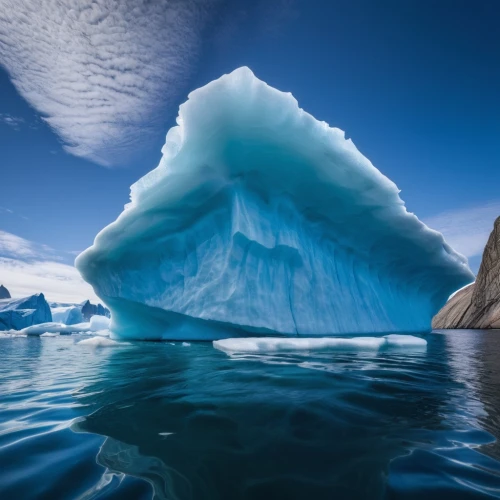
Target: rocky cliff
column 4, row 293
column 478, row 304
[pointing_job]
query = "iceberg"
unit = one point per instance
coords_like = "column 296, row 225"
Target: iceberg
column 256, row 345
column 16, row 314
column 88, row 310
column 100, row 342
column 69, row 315
column 97, row 324
column 260, row 219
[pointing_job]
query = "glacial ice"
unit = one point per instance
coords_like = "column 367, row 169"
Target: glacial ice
column 69, row 315
column 261, row 219
column 52, row 327
column 16, row 314
column 100, row 342
column 99, row 323
column 252, row 345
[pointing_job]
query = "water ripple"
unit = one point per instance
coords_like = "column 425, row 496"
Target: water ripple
column 180, row 422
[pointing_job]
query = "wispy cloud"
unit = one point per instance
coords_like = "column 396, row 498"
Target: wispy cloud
column 14, row 122
column 102, row 73
column 27, row 268
column 467, row 230
column 8, row 211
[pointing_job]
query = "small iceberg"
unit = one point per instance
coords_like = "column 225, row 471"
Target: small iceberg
column 101, row 342
column 97, row 324
column 254, row 345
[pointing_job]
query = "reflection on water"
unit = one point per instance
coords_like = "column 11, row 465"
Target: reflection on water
column 190, row 422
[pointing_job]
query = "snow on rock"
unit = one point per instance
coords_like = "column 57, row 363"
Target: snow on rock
column 16, row 314
column 261, row 219
column 251, row 345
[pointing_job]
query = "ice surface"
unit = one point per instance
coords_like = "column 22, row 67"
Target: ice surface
column 49, row 334
column 99, row 323
column 69, row 315
column 100, row 342
column 55, row 328
column 16, row 314
column 261, row 219
column 274, row 344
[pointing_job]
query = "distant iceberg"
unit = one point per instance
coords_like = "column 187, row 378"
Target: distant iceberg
column 16, row 314
column 97, row 324
column 69, row 315
column 261, row 219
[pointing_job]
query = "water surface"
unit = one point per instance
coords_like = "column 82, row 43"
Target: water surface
column 156, row 420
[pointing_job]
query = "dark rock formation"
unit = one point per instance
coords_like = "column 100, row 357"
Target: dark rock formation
column 89, row 310
column 16, row 314
column 478, row 304
column 4, row 293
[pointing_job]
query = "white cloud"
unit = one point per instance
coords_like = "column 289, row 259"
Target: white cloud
column 466, row 230
column 12, row 121
column 27, row 268
column 102, row 73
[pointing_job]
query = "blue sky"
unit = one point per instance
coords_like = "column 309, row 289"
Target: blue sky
column 87, row 95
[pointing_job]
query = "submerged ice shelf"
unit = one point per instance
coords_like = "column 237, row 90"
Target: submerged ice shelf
column 261, row 219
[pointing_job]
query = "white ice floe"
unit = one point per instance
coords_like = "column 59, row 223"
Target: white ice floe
column 100, row 342
column 49, row 334
column 99, row 323
column 97, row 326
column 275, row 344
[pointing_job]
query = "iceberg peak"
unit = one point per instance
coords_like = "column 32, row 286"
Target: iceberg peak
column 261, row 219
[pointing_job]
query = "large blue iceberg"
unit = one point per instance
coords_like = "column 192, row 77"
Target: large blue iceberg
column 16, row 314
column 260, row 219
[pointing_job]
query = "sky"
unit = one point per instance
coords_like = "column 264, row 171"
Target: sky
column 88, row 91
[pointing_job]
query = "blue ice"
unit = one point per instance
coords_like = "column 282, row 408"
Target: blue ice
column 262, row 220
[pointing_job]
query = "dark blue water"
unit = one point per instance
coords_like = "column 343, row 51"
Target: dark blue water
column 154, row 420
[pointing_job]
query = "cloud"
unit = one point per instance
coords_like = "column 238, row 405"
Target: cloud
column 27, row 268
column 102, row 73
column 466, row 230
column 8, row 211
column 14, row 122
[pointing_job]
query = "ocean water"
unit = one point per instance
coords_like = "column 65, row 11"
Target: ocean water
column 156, row 420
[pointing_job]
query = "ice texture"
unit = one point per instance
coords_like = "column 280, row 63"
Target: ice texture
column 99, row 326
column 100, row 342
column 16, row 314
column 260, row 219
column 52, row 327
column 275, row 344
column 99, row 323
column 69, row 315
